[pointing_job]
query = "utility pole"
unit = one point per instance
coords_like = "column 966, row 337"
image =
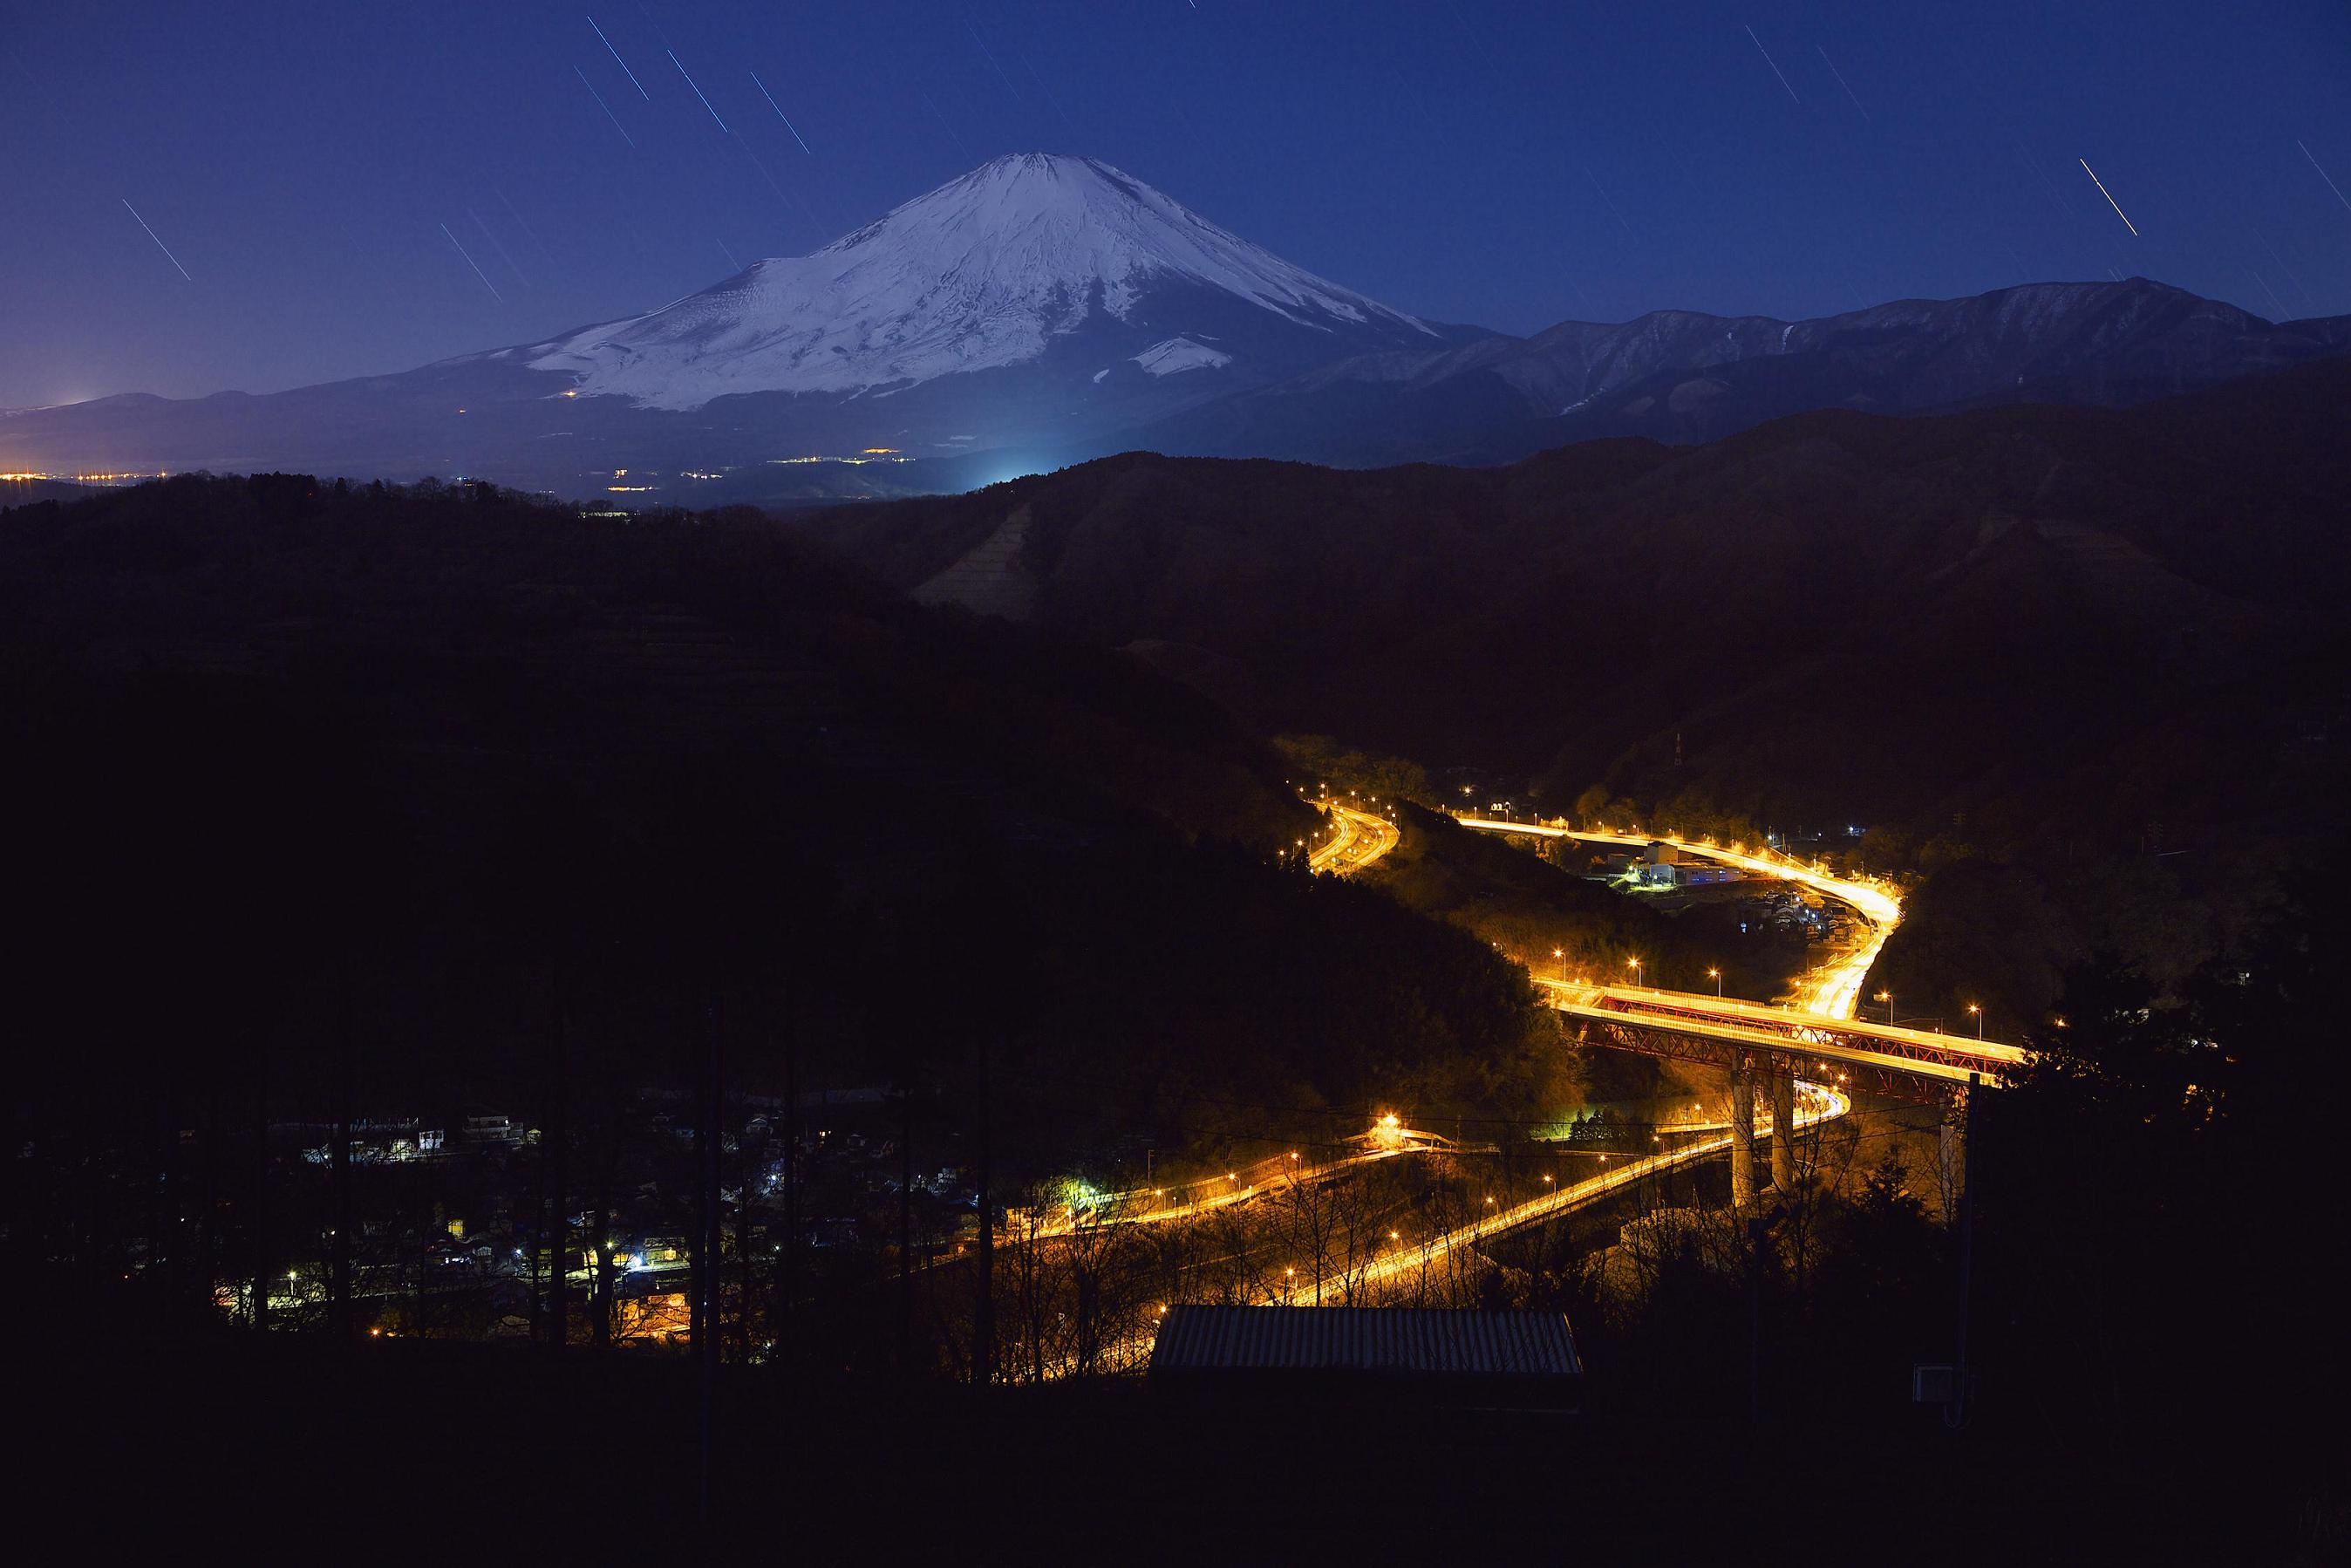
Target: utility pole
column 208, row 1230
column 601, row 1279
column 1956, row 1415
column 260, row 1184
column 747, row 1174
column 166, row 1195
column 704, row 1323
column 340, row 1281
column 982, row 1346
column 788, row 1269
column 906, row 1229
column 559, row 1133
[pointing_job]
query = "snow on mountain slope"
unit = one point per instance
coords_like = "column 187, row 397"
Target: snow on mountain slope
column 1166, row 359
column 982, row 272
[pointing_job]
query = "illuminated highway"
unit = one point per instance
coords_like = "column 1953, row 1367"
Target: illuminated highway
column 1823, row 1021
column 1357, row 839
column 1834, row 989
column 1819, row 1031
column 1622, row 1011
column 1816, row 1103
column 1145, row 1206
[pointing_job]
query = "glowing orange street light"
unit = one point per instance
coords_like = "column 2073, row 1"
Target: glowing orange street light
column 1716, row 975
column 1977, row 1011
column 1635, row 965
column 1888, row 997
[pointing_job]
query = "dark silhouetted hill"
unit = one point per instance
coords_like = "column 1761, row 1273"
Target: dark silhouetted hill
column 1838, row 614
column 270, row 731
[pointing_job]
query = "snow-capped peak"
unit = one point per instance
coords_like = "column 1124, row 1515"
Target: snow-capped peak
column 982, row 272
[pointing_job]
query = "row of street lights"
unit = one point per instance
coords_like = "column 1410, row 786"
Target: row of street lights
column 1714, row 973
column 1975, row 1011
column 1633, row 964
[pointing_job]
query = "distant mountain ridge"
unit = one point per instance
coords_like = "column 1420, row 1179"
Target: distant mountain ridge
column 1045, row 309
column 1682, row 376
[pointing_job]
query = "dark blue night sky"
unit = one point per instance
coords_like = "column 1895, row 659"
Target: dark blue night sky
column 1509, row 163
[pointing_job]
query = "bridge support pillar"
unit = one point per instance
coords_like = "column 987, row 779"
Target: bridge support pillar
column 1742, row 1136
column 1784, row 1128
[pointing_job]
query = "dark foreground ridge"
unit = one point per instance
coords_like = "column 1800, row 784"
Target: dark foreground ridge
column 289, row 1441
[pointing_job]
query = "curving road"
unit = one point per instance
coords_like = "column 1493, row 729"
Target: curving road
column 1358, row 838
column 1817, row 1103
column 1833, row 991
column 1386, row 1141
column 1830, row 994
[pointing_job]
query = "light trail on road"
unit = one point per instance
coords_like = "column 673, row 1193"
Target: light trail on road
column 1819, row 1102
column 1284, row 1175
column 1833, row 991
column 1358, row 838
column 1790, row 1031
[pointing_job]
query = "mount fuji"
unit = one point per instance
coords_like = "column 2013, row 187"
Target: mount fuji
column 1040, row 302
column 1022, row 259
column 1041, row 311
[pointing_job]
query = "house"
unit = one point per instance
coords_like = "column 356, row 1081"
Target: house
column 1426, row 1356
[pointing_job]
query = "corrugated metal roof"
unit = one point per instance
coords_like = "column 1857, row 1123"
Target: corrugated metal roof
column 1365, row 1340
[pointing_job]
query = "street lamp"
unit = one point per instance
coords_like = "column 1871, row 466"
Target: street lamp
column 1978, row 1016
column 1888, row 997
column 1716, row 975
column 1561, row 954
column 1635, row 965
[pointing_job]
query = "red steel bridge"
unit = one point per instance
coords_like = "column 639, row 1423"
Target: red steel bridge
column 1730, row 1034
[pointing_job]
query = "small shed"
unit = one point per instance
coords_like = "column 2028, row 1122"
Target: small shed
column 1519, row 1359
